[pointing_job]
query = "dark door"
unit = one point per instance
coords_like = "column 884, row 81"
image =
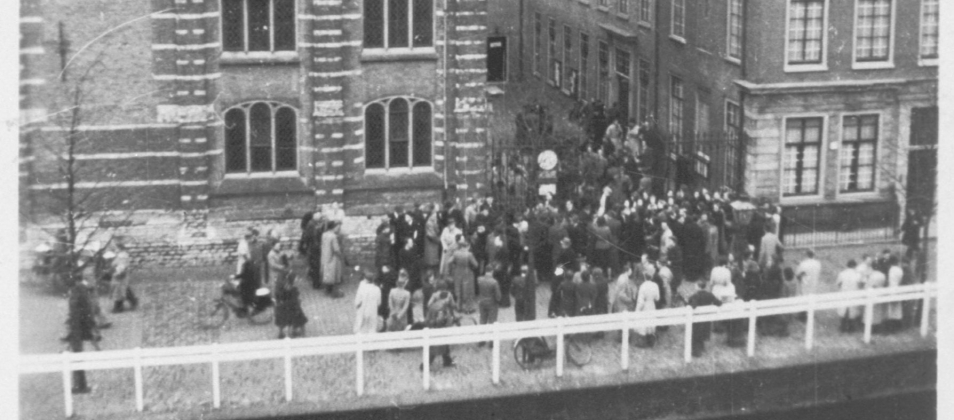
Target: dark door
column 622, row 99
column 497, row 59
column 922, row 160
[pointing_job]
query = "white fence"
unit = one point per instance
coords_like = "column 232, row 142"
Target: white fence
column 286, row 349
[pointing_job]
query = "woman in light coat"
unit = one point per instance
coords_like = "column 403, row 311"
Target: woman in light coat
column 399, row 301
column 461, row 267
column 449, row 244
column 366, row 303
column 646, row 300
column 895, row 312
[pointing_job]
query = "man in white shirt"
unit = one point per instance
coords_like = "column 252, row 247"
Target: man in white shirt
column 850, row 280
column 808, row 274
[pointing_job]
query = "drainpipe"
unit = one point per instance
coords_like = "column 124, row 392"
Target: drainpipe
column 656, row 44
column 520, row 40
column 742, row 140
column 447, row 108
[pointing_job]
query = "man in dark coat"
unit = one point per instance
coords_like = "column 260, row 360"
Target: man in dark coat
column 701, row 331
column 82, row 327
column 538, row 242
column 383, row 248
column 694, row 250
column 312, row 238
column 524, row 291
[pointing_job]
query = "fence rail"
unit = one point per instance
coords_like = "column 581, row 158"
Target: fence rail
column 286, row 349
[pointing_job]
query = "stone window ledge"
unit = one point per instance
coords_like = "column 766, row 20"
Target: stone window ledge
column 258, row 58
column 409, row 181
column 382, row 55
column 232, row 187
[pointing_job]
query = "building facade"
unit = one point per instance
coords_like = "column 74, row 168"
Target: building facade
column 835, row 98
column 206, row 116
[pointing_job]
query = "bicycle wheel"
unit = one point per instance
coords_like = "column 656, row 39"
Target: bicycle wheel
column 578, row 353
column 262, row 317
column 525, row 352
column 213, row 315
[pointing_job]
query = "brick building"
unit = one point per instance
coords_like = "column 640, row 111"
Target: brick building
column 206, row 116
column 834, row 98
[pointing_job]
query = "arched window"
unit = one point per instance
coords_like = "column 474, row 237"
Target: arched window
column 261, row 137
column 397, row 134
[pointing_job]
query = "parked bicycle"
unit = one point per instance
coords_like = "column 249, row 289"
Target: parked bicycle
column 530, row 352
column 214, row 315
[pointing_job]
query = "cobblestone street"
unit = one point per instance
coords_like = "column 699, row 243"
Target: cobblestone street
column 168, row 316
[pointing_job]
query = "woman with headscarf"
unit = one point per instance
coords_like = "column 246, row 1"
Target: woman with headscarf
column 461, row 268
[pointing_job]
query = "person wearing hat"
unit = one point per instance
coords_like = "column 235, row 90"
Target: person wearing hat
column 488, row 296
column 121, row 291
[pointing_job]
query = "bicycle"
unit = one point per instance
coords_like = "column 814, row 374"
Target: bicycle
column 260, row 312
column 530, row 352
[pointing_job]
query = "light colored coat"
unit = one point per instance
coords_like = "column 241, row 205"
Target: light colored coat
column 332, row 260
column 432, row 241
column 366, row 302
column 120, row 282
column 646, row 300
column 808, row 274
column 895, row 275
column 850, row 280
column 449, row 242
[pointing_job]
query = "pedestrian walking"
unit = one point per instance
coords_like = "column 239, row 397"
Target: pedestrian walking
column 366, row 303
column 332, row 260
column 121, row 289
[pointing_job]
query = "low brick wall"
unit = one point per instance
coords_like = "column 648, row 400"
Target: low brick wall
column 178, row 240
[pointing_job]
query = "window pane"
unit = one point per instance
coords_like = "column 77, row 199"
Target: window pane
column 374, row 136
column 805, row 31
column 929, row 28
column 235, row 141
column 422, row 134
column 374, row 23
column 423, row 23
column 397, row 24
column 260, row 117
column 398, row 134
column 873, row 30
column 284, row 25
column 233, row 19
column 258, row 25
column 285, row 139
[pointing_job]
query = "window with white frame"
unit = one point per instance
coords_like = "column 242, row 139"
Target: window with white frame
column 806, row 34
column 859, row 143
column 397, row 133
column 733, row 117
column 702, row 115
column 622, row 7
column 929, row 29
column 643, row 94
column 678, row 27
column 261, row 137
column 603, row 3
column 584, row 64
column 258, row 25
column 623, row 84
column 556, row 66
column 646, row 11
column 398, row 24
column 734, row 27
column 602, row 74
column 803, row 139
column 537, row 42
column 873, row 31
column 676, row 107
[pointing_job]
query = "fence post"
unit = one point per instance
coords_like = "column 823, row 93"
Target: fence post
column 216, row 395
column 687, row 351
column 426, row 364
column 288, row 369
column 561, row 350
column 869, row 313
column 359, row 366
column 496, row 354
column 624, row 346
column 925, row 311
column 137, row 374
column 810, row 323
column 68, row 383
column 750, row 351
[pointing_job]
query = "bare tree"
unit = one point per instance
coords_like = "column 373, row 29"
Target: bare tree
column 77, row 209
